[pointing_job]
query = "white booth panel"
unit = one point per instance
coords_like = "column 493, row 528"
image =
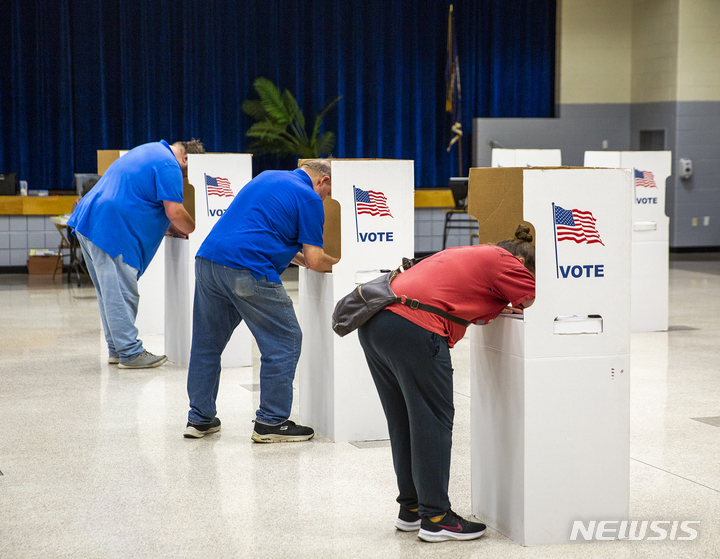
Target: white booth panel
column 502, row 157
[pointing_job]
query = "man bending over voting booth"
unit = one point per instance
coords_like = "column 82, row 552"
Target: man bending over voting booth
column 370, row 221
column 550, row 388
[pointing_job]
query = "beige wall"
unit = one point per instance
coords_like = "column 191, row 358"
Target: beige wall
column 698, row 73
column 639, row 51
column 654, row 50
column 595, row 47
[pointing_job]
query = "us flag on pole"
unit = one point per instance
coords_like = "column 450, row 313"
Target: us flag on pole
column 644, row 179
column 218, row 186
column 370, row 202
column 576, row 225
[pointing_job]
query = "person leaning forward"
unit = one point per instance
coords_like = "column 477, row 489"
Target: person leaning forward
column 277, row 218
column 120, row 224
column 408, row 353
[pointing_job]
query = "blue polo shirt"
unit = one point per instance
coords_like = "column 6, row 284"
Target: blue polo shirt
column 124, row 212
column 266, row 225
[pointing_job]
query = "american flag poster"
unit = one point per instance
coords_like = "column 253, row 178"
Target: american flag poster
column 644, row 179
column 218, row 186
column 370, row 202
column 575, row 225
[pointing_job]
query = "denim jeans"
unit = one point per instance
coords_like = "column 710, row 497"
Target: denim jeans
column 224, row 297
column 117, row 293
column 413, row 372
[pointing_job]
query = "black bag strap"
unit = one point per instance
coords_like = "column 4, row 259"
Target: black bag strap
column 415, row 304
column 408, row 263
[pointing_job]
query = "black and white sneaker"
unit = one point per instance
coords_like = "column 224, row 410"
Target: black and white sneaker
column 408, row 520
column 450, row 527
column 284, row 433
column 198, row 431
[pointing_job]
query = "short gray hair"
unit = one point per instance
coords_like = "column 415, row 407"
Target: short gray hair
column 320, row 166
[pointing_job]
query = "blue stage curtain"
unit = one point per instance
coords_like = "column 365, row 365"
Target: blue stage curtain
column 78, row 76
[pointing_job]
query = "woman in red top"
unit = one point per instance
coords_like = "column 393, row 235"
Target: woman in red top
column 408, row 352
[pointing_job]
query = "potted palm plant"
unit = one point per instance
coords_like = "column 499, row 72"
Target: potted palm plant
column 280, row 127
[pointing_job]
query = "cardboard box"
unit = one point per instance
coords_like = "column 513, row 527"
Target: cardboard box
column 42, row 264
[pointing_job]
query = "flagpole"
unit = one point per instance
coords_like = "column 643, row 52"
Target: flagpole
column 460, row 165
column 557, row 265
column 357, row 231
column 207, row 200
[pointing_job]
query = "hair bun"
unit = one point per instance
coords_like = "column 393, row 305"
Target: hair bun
column 522, row 233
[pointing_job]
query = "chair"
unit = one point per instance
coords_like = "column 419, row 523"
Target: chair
column 68, row 242
column 458, row 218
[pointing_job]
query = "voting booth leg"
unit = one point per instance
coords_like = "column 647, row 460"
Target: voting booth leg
column 650, row 286
column 151, row 287
column 550, row 440
column 337, row 395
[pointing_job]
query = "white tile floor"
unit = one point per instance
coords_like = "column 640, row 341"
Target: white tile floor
column 94, row 464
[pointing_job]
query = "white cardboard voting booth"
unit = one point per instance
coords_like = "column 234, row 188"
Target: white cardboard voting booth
column 369, row 223
column 502, row 157
column 650, row 233
column 550, row 389
column 217, row 177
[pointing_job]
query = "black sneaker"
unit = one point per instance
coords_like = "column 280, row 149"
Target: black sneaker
column 283, row 433
column 198, row 431
column 450, row 527
column 407, row 520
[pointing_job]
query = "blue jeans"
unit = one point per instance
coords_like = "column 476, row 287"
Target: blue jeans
column 413, row 375
column 224, row 297
column 117, row 292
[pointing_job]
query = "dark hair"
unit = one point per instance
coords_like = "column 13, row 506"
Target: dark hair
column 193, row 146
column 521, row 246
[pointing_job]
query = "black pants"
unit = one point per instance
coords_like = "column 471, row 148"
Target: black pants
column 413, row 372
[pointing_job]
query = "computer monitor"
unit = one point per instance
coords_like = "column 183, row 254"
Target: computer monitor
column 8, row 184
column 459, row 187
column 80, row 179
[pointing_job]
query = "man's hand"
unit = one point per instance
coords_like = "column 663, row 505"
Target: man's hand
column 299, row 260
column 317, row 259
column 178, row 216
column 175, row 232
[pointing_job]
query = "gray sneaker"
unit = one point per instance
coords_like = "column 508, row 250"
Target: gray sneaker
column 113, row 360
column 145, row 360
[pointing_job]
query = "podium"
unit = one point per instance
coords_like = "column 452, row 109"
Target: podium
column 550, row 389
column 649, row 275
column 502, row 157
column 217, row 178
column 369, row 223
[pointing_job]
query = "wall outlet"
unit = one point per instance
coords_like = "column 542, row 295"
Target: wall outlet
column 605, row 144
column 694, row 221
column 706, row 220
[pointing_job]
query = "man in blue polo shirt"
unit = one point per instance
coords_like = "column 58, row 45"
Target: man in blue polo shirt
column 277, row 218
column 120, row 224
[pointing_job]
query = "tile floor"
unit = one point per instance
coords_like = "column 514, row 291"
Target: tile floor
column 94, row 464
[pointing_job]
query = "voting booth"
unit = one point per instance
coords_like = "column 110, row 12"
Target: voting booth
column 502, row 157
column 216, row 179
column 369, row 224
column 649, row 276
column 550, row 389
